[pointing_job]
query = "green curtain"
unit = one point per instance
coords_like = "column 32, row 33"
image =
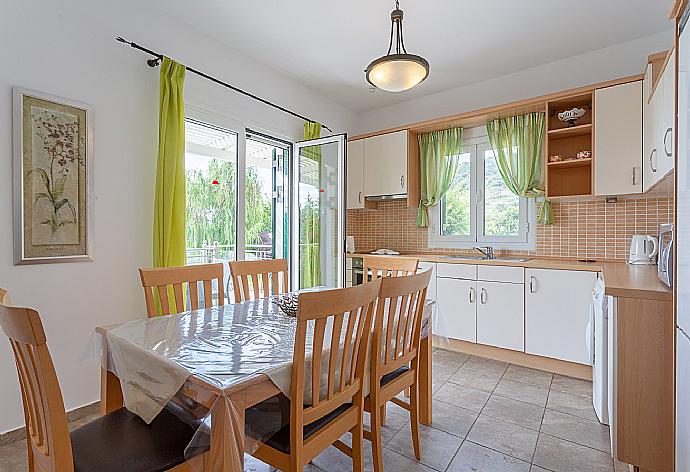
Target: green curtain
column 310, row 221
column 169, row 205
column 439, row 157
column 517, row 144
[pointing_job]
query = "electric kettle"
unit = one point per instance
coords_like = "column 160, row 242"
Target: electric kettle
column 643, row 249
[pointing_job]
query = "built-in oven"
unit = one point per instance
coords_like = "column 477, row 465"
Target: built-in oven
column 357, row 271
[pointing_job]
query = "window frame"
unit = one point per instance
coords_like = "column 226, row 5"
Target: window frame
column 476, row 142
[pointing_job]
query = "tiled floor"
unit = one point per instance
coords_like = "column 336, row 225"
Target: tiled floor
column 488, row 417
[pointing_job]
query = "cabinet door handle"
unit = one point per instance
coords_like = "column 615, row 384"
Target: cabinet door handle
column 360, row 196
column 472, row 295
column 634, row 176
column 531, row 284
column 668, row 154
column 652, row 165
column 402, row 181
column 482, row 296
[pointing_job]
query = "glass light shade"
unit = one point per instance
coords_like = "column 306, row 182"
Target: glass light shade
column 397, row 72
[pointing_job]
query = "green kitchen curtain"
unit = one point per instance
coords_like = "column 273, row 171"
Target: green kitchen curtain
column 439, row 158
column 170, row 198
column 310, row 221
column 517, row 144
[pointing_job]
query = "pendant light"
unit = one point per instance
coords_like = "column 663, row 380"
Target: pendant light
column 398, row 71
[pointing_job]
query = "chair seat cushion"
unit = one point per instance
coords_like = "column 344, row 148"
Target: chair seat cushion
column 391, row 376
column 273, row 414
column 122, row 441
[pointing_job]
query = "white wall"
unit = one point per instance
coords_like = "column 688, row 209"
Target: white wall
column 598, row 66
column 67, row 48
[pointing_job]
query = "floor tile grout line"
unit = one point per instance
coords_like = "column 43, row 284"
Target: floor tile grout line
column 475, row 420
column 541, row 423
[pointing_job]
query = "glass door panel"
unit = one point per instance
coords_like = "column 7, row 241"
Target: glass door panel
column 265, row 206
column 210, row 170
column 319, row 213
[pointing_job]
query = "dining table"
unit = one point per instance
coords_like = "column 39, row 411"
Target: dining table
column 212, row 364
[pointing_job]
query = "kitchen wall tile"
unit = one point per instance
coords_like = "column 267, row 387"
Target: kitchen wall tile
column 583, row 229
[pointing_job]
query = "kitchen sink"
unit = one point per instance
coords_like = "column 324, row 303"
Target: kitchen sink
column 466, row 257
column 512, row 259
column 471, row 257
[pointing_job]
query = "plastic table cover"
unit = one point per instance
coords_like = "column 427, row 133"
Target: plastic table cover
column 223, row 346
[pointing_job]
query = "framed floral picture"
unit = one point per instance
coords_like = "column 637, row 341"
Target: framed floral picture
column 53, row 179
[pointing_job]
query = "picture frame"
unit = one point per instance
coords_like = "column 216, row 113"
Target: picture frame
column 52, row 178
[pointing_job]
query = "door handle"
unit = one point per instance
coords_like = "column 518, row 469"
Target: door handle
column 402, row 181
column 531, row 284
column 360, row 196
column 634, row 176
column 651, row 160
column 482, row 296
column 472, row 295
column 668, row 154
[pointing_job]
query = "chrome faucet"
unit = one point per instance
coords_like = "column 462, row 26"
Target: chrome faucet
column 488, row 251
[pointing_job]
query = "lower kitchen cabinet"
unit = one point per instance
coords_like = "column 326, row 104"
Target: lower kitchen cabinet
column 501, row 315
column 456, row 299
column 431, row 289
column 557, row 312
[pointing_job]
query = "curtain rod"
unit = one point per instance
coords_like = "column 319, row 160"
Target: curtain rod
column 159, row 57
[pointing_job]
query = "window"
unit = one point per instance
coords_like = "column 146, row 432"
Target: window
column 211, row 175
column 236, row 206
column 479, row 209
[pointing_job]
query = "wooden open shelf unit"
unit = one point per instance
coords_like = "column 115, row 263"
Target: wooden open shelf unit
column 570, row 177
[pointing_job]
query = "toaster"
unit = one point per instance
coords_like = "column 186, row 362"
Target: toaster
column 665, row 260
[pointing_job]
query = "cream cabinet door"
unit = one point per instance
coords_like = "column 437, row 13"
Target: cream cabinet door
column 456, row 300
column 557, row 312
column 618, row 139
column 385, row 164
column 667, row 110
column 355, row 174
column 501, row 315
column 431, row 290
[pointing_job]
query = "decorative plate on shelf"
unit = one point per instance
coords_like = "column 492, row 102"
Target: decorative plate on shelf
column 571, row 116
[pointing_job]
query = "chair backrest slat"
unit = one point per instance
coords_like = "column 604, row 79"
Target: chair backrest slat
column 167, row 281
column 263, row 276
column 334, row 351
column 329, row 310
column 388, row 266
column 44, row 409
column 396, row 340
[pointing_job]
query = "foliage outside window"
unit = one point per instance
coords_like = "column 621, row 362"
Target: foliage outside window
column 478, row 208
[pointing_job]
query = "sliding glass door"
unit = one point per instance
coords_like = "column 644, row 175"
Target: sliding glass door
column 237, row 203
column 318, row 212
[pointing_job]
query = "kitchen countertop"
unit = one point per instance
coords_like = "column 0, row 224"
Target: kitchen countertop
column 621, row 279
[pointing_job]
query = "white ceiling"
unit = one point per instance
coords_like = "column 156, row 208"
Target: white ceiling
column 327, row 45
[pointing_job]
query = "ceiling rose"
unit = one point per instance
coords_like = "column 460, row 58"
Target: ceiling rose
column 398, row 71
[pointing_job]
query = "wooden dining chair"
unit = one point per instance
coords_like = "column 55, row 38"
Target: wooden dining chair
column 246, row 274
column 115, row 442
column 344, row 316
column 4, row 297
column 395, row 353
column 161, row 280
column 388, row 266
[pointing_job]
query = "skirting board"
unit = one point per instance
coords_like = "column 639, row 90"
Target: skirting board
column 73, row 415
column 571, row 369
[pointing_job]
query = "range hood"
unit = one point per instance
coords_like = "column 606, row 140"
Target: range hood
column 380, row 198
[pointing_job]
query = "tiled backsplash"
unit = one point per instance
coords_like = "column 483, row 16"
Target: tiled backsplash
column 583, row 229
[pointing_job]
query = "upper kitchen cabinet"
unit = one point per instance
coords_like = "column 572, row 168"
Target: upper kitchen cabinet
column 385, row 165
column 658, row 120
column 382, row 167
column 618, row 139
column 355, row 175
